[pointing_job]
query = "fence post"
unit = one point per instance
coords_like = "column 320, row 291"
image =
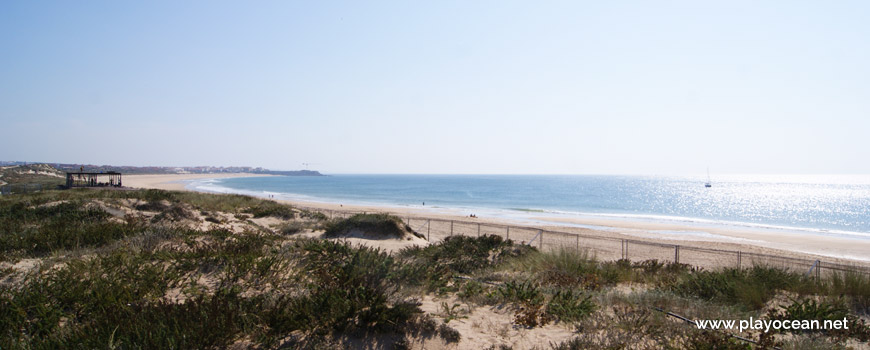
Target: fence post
column 451, row 227
column 541, row 242
column 428, row 230
column 819, row 271
column 508, row 234
column 577, row 238
column 676, row 254
column 739, row 257
column 478, row 229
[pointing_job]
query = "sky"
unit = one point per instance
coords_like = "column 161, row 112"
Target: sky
column 440, row 87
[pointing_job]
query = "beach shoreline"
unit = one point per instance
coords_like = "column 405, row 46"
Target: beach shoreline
column 797, row 244
column 176, row 182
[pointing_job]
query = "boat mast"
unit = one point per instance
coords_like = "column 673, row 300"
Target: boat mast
column 708, row 183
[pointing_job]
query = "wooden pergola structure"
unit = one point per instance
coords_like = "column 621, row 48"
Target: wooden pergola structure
column 83, row 179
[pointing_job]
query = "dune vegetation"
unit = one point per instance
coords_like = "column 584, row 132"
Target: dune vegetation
column 143, row 269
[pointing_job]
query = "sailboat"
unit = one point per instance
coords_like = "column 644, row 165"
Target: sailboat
column 709, row 183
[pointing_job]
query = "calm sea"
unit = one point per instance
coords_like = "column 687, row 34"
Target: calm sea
column 838, row 205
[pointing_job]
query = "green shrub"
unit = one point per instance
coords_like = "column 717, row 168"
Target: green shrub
column 350, row 290
column 570, row 306
column 472, row 291
column 174, row 212
column 152, row 206
column 712, row 340
column 809, row 309
column 314, row 215
column 855, row 287
column 463, row 254
column 217, row 202
column 528, row 300
column 375, row 225
column 206, row 321
column 272, row 209
column 235, row 255
column 751, row 288
column 566, row 267
column 120, row 298
column 291, row 228
column 36, row 231
column 519, row 292
column 434, row 266
column 449, row 334
column 84, row 292
column 563, row 268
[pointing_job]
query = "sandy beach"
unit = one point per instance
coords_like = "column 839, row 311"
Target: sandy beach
column 802, row 245
column 175, row 182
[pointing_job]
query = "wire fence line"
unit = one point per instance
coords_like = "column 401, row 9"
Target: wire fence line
column 614, row 248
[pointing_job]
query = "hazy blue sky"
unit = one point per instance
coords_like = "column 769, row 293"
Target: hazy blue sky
column 631, row 87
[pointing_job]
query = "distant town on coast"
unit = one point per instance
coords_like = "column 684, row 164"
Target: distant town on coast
column 71, row 167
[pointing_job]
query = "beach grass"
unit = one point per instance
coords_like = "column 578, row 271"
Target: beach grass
column 751, row 288
column 372, row 225
column 100, row 279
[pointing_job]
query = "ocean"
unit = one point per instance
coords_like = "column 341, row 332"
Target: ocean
column 831, row 204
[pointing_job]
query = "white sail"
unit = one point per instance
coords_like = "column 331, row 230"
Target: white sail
column 708, row 183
